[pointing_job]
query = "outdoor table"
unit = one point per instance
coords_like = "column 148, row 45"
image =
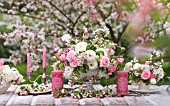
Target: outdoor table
column 11, row 98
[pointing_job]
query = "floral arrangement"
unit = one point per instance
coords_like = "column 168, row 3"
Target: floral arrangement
column 150, row 73
column 9, row 75
column 34, row 88
column 94, row 56
column 83, row 93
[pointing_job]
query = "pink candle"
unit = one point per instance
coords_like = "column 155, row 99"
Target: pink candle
column 28, row 63
column 44, row 57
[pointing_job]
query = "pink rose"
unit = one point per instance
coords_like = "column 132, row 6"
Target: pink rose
column 145, row 74
column 120, row 60
column 1, row 63
column 104, row 62
column 112, row 69
column 59, row 52
column 74, row 63
column 70, row 55
column 63, row 57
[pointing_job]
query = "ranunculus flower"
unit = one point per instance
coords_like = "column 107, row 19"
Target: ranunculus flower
column 70, row 55
column 1, row 63
column 63, row 57
column 93, row 65
column 80, row 47
column 104, row 62
column 112, row 69
column 120, row 60
column 74, row 62
column 137, row 66
column 90, row 55
column 145, row 74
column 128, row 66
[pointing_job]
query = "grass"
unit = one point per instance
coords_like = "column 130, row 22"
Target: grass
column 22, row 68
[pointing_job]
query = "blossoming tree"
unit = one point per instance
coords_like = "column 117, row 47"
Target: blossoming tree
column 37, row 24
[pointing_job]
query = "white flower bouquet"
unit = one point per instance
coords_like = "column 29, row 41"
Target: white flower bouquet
column 150, row 73
column 9, row 75
column 93, row 57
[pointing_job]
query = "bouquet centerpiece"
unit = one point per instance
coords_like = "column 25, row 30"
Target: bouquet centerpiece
column 149, row 73
column 89, row 58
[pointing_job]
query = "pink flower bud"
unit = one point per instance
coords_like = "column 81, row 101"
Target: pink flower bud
column 120, row 60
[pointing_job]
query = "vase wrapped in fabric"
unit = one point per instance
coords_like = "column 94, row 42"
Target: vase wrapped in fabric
column 4, row 88
column 143, row 86
column 57, row 80
column 122, row 83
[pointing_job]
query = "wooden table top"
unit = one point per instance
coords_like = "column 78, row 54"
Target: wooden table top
column 11, row 98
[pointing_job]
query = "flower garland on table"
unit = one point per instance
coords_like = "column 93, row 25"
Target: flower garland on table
column 26, row 89
column 79, row 56
column 81, row 92
column 150, row 73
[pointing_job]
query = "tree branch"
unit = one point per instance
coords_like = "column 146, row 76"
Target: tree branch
column 122, row 33
column 60, row 11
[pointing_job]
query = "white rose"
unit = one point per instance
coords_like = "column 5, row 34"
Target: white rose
column 93, row 65
column 128, row 66
column 145, row 67
column 153, row 81
column 66, row 37
column 90, row 55
column 68, row 72
column 80, row 47
column 137, row 66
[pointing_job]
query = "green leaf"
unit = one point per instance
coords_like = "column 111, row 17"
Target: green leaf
column 82, row 69
column 99, row 53
column 103, row 81
column 87, row 67
column 76, row 71
column 89, row 42
column 88, row 47
column 110, row 81
column 61, row 66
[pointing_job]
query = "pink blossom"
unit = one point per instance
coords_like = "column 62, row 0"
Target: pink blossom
column 112, row 69
column 59, row 52
column 1, row 63
column 70, row 55
column 63, row 57
column 104, row 62
column 120, row 60
column 145, row 74
column 74, row 62
column 20, row 79
column 66, row 51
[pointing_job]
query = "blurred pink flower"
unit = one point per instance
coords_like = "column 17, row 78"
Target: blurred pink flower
column 20, row 79
column 145, row 74
column 112, row 69
column 74, row 62
column 63, row 57
column 104, row 62
column 66, row 51
column 59, row 52
column 1, row 63
column 120, row 60
column 70, row 55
